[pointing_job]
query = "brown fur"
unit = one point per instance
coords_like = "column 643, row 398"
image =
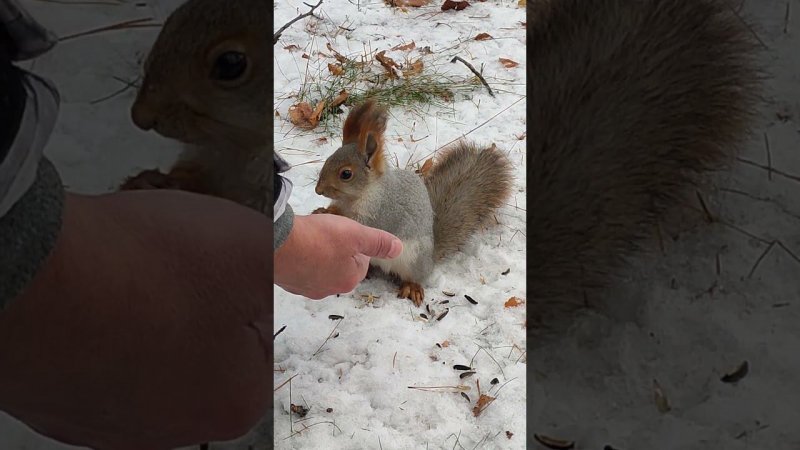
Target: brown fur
column 367, row 120
column 630, row 102
column 227, row 127
column 466, row 184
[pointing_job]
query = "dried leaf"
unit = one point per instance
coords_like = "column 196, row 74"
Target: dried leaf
column 339, row 57
column 387, row 63
column 302, row 116
column 508, row 63
column 483, row 37
column 445, row 343
column 405, row 47
column 450, row 4
column 305, row 56
column 513, row 302
column 662, row 403
column 483, row 402
column 426, row 167
column 521, row 3
column 414, row 68
column 557, row 444
column 300, row 410
column 340, row 99
column 320, row 141
column 509, row 434
column 291, row 48
column 335, row 69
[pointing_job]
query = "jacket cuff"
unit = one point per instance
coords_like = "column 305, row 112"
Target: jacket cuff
column 29, row 231
column 282, row 227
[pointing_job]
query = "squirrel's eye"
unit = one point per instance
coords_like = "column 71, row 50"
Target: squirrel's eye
column 229, row 66
column 346, row 174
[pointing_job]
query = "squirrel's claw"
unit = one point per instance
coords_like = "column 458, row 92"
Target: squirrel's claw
column 413, row 292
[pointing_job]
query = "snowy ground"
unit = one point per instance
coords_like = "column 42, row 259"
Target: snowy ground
column 594, row 384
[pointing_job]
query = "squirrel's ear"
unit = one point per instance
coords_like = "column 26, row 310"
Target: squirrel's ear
column 370, row 147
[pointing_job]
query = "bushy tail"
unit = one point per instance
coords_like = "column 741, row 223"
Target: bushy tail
column 629, row 102
column 466, row 185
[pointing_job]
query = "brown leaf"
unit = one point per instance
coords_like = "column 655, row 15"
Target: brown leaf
column 339, row 57
column 513, row 301
column 320, row 141
column 340, row 99
column 335, row 69
column 507, row 63
column 305, row 56
column 521, row 3
column 426, row 166
column 291, row 48
column 300, row 410
column 445, row 343
column 387, row 63
column 483, row 402
column 302, row 116
column 414, row 68
column 450, row 4
column 405, row 47
column 483, row 37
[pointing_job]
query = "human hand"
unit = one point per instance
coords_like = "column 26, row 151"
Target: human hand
column 145, row 329
column 327, row 254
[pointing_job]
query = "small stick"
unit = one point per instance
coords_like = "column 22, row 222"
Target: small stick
column 760, row 258
column 327, row 338
column 709, row 217
column 769, row 156
column 786, row 18
column 761, row 166
column 284, row 383
column 480, row 77
column 280, row 31
column 117, row 26
column 279, row 332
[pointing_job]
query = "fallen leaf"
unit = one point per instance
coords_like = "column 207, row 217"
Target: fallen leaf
column 426, row 166
column 405, row 47
column 445, row 343
column 513, row 301
column 335, row 69
column 300, row 410
column 302, row 116
column 450, row 4
column 321, row 140
column 339, row 57
column 521, row 3
column 277, row 114
column 387, row 63
column 305, row 56
column 483, row 402
column 483, row 37
column 414, row 68
column 291, row 48
column 507, row 63
column 340, row 99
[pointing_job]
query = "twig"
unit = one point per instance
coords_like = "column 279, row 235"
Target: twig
column 284, row 383
column 495, row 361
column 786, row 18
column 128, row 85
column 280, row 31
column 279, row 332
column 327, row 338
column 769, row 157
column 477, row 74
column 747, row 25
column 305, row 427
column 135, row 23
column 706, row 211
column 761, row 166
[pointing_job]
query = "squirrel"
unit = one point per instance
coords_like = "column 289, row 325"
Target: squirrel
column 207, row 84
column 630, row 104
column 433, row 214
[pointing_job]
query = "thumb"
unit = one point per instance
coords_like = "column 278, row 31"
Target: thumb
column 377, row 243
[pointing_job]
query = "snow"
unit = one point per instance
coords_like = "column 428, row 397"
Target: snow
column 593, row 384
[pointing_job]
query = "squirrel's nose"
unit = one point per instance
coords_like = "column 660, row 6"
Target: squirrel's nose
column 143, row 116
column 318, row 189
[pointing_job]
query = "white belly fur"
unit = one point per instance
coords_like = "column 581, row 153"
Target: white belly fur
column 403, row 264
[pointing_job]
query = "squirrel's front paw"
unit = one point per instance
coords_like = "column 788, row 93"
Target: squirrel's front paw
column 412, row 291
column 149, row 179
column 320, row 211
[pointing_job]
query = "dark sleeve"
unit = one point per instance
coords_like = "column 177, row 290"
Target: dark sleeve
column 283, row 215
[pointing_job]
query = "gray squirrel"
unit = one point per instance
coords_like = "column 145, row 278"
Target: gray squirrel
column 629, row 102
column 433, row 214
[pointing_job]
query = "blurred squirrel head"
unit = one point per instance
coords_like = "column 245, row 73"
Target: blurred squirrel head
column 206, row 78
column 360, row 160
